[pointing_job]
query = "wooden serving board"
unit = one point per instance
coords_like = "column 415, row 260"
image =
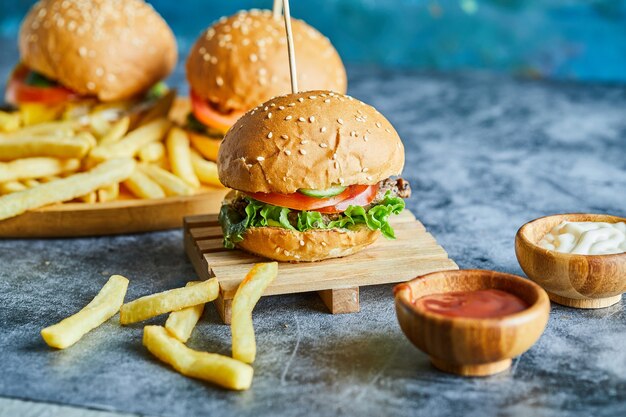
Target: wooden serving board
column 337, row 281
column 115, row 217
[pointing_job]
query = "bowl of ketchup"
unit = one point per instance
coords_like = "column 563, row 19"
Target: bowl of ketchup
column 472, row 322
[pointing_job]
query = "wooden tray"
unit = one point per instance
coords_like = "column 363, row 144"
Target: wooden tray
column 337, row 281
column 115, row 217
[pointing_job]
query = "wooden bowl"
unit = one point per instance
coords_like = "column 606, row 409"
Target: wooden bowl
column 581, row 281
column 472, row 346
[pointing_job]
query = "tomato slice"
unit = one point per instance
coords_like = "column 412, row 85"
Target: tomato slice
column 358, row 198
column 18, row 91
column 353, row 195
column 211, row 117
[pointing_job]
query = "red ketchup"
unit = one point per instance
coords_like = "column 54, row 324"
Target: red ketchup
column 481, row 304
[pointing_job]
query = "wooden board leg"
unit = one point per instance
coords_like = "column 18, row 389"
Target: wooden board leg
column 339, row 301
column 224, row 308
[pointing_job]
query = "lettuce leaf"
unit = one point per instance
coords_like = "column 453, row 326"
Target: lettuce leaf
column 258, row 214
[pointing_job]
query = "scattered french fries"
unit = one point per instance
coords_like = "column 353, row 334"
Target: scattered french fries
column 179, row 152
column 130, row 144
column 143, row 187
column 167, row 301
column 152, row 152
column 37, row 167
column 171, row 184
column 104, row 306
column 181, row 323
column 68, row 147
column 218, row 369
column 66, row 189
column 205, row 170
column 41, row 145
column 248, row 294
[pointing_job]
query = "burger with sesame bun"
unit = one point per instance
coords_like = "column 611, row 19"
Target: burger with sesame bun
column 311, row 177
column 241, row 61
column 76, row 54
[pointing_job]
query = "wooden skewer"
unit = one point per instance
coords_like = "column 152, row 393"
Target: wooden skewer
column 292, row 54
column 277, row 9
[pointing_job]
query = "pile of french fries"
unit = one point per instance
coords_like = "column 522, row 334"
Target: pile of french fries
column 43, row 155
column 185, row 306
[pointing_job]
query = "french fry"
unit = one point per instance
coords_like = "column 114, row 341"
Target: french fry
column 31, row 182
column 62, row 128
column 248, row 294
column 212, row 367
column 205, row 170
column 129, row 145
column 34, row 113
column 180, row 323
column 143, row 187
column 37, row 167
column 179, row 155
column 100, row 309
column 171, row 184
column 99, row 124
column 65, row 189
column 25, row 147
column 164, row 302
column 11, row 187
column 152, row 152
column 109, row 193
column 91, row 197
column 208, row 147
column 50, row 178
column 116, row 132
column 9, row 121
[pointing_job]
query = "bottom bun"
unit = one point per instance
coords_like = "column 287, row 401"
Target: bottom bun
column 313, row 245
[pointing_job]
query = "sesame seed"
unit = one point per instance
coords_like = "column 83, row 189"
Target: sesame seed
column 91, row 85
column 340, row 121
column 219, row 81
column 312, row 119
column 387, row 130
column 99, row 72
column 206, row 57
column 273, row 105
column 269, row 115
column 288, row 118
column 327, row 100
column 336, row 164
column 291, row 104
column 300, row 99
column 369, row 178
column 323, row 129
column 281, row 107
column 266, row 108
column 260, row 158
column 341, row 181
column 82, row 51
column 269, row 135
column 284, row 136
column 304, row 142
column 334, row 156
column 302, row 151
column 378, row 124
column 301, row 242
column 353, row 133
column 301, row 119
column 365, row 138
column 312, row 97
column 323, row 145
column 365, row 169
column 323, row 243
column 287, row 152
column 254, row 58
column 278, row 249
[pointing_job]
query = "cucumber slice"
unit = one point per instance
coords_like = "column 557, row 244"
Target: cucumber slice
column 329, row 192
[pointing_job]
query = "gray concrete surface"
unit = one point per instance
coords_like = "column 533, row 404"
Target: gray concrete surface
column 484, row 155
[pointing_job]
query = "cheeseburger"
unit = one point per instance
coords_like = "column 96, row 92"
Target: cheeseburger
column 83, row 52
column 311, row 174
column 241, row 61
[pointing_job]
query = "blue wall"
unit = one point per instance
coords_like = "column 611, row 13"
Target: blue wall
column 575, row 39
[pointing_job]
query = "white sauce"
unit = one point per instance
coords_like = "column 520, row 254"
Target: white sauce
column 586, row 238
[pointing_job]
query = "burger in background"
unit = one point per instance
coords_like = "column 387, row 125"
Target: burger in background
column 242, row 61
column 77, row 55
column 311, row 174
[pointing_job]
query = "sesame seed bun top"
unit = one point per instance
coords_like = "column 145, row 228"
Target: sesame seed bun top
column 242, row 61
column 313, row 139
column 112, row 49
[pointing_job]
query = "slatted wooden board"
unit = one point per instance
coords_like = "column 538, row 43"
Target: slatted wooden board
column 337, row 281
